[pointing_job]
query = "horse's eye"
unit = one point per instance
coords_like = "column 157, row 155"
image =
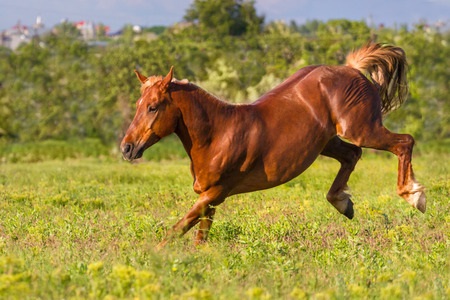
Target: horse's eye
column 152, row 109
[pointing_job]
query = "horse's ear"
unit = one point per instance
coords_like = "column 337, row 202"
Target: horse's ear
column 141, row 77
column 166, row 81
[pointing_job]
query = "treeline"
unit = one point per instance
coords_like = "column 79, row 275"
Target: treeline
column 61, row 87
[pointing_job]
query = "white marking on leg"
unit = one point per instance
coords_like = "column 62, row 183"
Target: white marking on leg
column 417, row 197
column 417, row 187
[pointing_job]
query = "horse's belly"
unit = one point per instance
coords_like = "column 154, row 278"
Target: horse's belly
column 282, row 154
column 274, row 171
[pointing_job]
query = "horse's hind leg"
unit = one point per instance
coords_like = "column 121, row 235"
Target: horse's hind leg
column 348, row 155
column 376, row 136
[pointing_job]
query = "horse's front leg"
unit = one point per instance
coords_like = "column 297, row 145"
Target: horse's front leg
column 205, row 224
column 202, row 211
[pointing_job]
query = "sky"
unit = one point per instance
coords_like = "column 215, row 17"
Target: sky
column 117, row 13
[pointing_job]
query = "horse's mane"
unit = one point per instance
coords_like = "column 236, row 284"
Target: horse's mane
column 203, row 94
column 386, row 66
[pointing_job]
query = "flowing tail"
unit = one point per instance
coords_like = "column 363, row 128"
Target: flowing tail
column 386, row 67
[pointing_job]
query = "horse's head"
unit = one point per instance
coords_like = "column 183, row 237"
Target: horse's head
column 156, row 116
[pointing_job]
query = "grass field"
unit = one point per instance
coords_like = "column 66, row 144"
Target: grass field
column 86, row 227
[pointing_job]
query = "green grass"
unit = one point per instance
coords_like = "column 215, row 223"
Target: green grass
column 85, row 227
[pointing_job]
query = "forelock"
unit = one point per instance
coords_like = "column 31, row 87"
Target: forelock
column 151, row 81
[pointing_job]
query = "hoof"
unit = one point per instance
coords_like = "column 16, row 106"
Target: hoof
column 342, row 203
column 417, row 198
column 349, row 213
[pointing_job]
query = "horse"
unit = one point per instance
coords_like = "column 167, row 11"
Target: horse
column 240, row 148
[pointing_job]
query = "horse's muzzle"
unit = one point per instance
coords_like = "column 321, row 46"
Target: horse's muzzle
column 127, row 151
column 131, row 152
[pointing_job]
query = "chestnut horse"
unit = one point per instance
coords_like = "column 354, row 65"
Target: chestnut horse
column 243, row 148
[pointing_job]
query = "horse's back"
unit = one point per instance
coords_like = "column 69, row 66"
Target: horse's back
column 303, row 101
column 286, row 85
column 322, row 94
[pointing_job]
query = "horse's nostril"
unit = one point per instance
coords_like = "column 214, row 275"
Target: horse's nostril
column 127, row 148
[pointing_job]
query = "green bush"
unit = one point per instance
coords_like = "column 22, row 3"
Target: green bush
column 29, row 152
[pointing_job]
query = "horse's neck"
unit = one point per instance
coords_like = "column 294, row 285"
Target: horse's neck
column 201, row 113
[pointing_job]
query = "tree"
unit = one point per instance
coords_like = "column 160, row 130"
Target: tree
column 5, row 105
column 225, row 17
